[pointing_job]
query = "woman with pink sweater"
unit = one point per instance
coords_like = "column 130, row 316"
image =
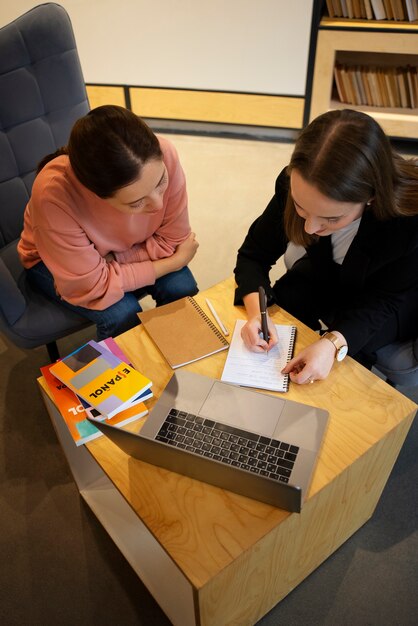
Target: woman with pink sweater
column 108, row 223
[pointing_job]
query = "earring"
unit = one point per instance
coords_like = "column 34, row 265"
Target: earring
column 369, row 203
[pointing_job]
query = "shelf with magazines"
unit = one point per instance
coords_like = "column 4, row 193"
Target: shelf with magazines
column 369, row 65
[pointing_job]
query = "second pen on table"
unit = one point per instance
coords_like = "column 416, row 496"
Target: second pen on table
column 217, row 318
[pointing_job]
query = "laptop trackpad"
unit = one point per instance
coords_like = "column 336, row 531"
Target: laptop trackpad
column 242, row 408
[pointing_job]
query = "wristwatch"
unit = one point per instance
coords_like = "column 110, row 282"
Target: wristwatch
column 341, row 348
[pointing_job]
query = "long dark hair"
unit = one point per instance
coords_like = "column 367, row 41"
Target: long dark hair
column 107, row 149
column 346, row 155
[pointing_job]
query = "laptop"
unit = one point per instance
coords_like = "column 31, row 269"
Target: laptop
column 254, row 444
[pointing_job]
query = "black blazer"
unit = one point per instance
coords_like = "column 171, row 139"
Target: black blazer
column 378, row 277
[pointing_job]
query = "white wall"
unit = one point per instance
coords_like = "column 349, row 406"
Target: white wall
column 256, row 46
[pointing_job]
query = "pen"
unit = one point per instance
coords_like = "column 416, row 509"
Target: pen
column 217, row 318
column 263, row 310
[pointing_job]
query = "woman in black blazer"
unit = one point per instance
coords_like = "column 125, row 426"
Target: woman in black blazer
column 345, row 215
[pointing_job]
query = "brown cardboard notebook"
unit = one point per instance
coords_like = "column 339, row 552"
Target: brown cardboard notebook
column 183, row 332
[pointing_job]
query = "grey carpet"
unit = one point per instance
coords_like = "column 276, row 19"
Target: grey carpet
column 58, row 565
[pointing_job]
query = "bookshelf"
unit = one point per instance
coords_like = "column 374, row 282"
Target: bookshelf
column 365, row 43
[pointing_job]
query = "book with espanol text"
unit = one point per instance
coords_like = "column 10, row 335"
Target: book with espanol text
column 101, row 378
column 74, row 414
column 95, row 414
column 111, row 345
column 182, row 332
column 259, row 370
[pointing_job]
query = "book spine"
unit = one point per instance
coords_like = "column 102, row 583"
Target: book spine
column 208, row 320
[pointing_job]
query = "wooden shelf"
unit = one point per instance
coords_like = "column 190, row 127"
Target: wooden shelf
column 388, row 25
column 396, row 122
column 337, row 36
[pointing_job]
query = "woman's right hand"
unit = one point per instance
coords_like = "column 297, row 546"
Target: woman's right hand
column 251, row 335
column 186, row 250
column 182, row 255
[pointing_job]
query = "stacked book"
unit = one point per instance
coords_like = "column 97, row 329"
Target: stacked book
column 97, row 381
column 395, row 87
column 399, row 10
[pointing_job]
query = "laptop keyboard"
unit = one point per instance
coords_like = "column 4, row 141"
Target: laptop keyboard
column 227, row 444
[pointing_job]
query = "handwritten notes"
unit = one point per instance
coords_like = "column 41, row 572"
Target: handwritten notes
column 262, row 371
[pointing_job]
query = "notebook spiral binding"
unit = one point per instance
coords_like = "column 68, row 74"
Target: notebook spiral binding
column 208, row 320
column 289, row 355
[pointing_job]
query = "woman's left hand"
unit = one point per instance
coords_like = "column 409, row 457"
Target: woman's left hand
column 312, row 363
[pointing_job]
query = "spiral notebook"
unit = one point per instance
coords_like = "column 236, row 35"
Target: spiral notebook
column 183, row 332
column 262, row 371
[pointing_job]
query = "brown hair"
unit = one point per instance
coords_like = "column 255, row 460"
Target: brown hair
column 346, row 155
column 107, row 149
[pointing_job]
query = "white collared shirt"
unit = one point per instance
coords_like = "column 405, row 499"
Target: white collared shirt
column 340, row 241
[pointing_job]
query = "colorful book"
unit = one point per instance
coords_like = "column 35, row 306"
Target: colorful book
column 101, row 378
column 71, row 409
column 136, row 405
column 75, row 415
column 128, row 415
column 111, row 345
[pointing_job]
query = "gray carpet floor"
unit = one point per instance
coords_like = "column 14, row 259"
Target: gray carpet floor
column 58, row 565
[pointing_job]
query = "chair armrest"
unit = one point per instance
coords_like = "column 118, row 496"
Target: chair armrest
column 12, row 301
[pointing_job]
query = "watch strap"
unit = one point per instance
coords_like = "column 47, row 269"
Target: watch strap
column 340, row 347
column 333, row 339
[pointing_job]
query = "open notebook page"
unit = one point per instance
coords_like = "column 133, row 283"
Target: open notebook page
column 262, row 371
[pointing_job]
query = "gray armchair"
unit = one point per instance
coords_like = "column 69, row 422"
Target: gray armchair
column 42, row 94
column 398, row 362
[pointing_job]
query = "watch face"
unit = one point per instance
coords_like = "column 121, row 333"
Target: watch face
column 341, row 353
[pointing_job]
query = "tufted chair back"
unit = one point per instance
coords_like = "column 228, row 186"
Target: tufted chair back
column 42, row 94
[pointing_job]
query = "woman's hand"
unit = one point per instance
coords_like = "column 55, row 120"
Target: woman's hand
column 312, row 363
column 251, row 335
column 186, row 250
column 251, row 332
column 183, row 254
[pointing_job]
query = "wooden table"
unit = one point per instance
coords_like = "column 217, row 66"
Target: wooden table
column 211, row 557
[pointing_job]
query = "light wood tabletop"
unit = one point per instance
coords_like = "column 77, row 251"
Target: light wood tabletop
column 219, row 540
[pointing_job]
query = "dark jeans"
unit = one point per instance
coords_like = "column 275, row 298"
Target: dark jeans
column 311, row 298
column 122, row 315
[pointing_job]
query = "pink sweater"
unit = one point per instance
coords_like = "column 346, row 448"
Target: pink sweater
column 71, row 230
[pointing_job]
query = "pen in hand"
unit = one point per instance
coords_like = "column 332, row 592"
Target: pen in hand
column 263, row 311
